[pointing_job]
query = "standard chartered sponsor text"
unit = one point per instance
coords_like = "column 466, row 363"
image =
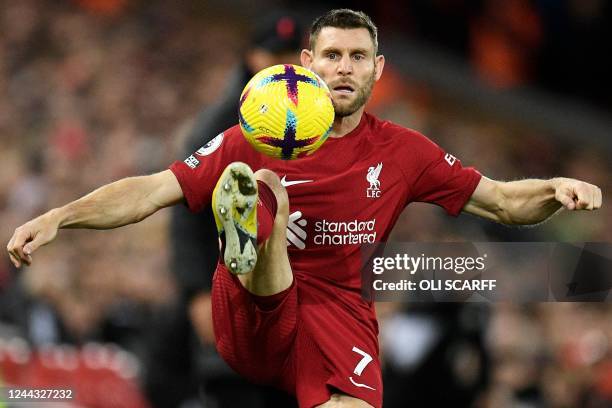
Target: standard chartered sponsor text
column 343, row 233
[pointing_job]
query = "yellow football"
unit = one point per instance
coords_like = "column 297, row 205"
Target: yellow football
column 286, row 112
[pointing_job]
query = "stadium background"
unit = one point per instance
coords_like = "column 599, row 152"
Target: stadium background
column 95, row 90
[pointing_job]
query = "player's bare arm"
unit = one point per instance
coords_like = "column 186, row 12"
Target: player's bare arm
column 116, row 204
column 531, row 201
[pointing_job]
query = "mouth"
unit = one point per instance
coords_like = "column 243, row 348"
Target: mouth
column 344, row 89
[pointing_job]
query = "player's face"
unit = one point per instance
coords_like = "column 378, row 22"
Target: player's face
column 346, row 60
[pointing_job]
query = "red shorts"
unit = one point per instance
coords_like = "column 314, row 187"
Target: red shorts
column 311, row 344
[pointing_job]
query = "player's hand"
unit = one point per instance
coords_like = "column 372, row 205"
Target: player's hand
column 577, row 195
column 30, row 236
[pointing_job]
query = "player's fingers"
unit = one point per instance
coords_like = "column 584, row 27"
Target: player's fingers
column 9, row 246
column 37, row 241
column 18, row 248
column 566, row 199
column 19, row 240
column 13, row 246
column 583, row 196
column 591, row 197
column 598, row 198
column 9, row 249
column 14, row 260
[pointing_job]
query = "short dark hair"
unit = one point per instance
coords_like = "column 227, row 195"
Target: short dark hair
column 344, row 18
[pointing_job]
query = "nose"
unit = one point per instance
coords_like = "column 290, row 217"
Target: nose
column 345, row 66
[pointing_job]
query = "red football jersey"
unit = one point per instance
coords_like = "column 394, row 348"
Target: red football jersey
column 351, row 191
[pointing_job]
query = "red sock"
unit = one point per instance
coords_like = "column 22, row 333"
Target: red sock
column 266, row 211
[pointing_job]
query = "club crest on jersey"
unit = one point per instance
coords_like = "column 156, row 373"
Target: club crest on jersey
column 372, row 177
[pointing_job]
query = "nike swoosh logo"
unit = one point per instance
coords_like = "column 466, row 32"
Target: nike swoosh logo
column 356, row 384
column 286, row 183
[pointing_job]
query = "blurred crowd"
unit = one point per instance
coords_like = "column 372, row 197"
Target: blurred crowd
column 93, row 90
column 555, row 44
column 88, row 98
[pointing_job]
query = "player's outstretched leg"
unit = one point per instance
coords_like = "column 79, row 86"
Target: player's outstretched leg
column 234, row 203
column 263, row 267
column 272, row 273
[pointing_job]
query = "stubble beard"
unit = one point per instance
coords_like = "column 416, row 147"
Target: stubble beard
column 363, row 94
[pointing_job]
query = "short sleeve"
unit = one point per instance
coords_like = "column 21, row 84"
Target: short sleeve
column 438, row 177
column 199, row 172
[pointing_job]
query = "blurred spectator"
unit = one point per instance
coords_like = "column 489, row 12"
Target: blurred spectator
column 504, row 41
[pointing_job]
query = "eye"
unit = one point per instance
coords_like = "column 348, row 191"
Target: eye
column 358, row 57
column 332, row 56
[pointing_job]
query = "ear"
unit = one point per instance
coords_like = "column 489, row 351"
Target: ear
column 379, row 65
column 306, row 58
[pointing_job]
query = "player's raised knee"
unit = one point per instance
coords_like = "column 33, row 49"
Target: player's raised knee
column 270, row 178
column 272, row 181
